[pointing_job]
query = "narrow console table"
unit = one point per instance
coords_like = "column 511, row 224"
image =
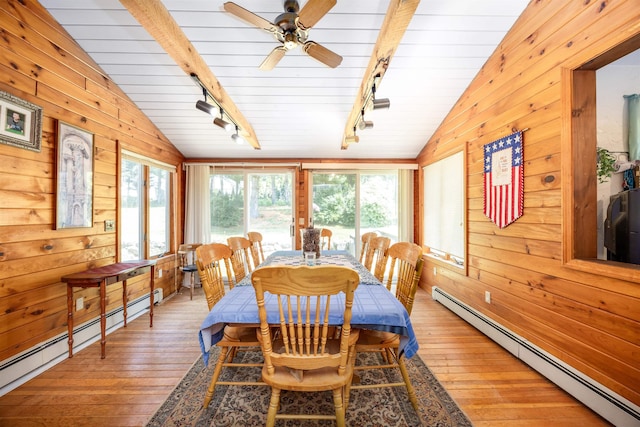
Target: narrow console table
column 102, row 277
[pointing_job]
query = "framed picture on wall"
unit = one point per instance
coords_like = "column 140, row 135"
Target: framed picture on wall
column 74, row 177
column 20, row 122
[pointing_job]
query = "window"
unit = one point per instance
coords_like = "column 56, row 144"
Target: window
column 580, row 193
column 444, row 220
column 159, row 211
column 145, row 210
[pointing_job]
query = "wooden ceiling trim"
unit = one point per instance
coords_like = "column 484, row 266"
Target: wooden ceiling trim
column 396, row 21
column 159, row 23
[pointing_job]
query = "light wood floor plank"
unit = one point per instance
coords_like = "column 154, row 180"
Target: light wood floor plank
column 144, row 364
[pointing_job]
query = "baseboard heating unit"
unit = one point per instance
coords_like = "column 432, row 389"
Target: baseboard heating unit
column 19, row 369
column 608, row 404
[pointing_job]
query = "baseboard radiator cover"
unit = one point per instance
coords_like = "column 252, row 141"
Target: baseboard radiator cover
column 608, row 404
column 19, row 369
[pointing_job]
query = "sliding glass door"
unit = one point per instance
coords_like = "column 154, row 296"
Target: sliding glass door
column 334, row 207
column 355, row 202
column 245, row 201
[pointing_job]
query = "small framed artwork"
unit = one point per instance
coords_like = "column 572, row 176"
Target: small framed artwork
column 74, row 197
column 20, row 122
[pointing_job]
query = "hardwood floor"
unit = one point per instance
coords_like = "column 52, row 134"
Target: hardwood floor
column 144, row 364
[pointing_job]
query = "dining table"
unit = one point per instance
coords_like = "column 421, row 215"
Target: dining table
column 374, row 306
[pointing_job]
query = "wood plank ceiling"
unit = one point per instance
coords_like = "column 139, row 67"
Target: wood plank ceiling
column 301, row 108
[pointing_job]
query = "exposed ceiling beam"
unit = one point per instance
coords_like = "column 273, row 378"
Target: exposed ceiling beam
column 395, row 24
column 159, row 23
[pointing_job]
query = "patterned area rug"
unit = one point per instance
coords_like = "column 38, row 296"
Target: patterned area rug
column 247, row 405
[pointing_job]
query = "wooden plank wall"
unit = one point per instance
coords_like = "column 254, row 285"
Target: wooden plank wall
column 589, row 321
column 40, row 62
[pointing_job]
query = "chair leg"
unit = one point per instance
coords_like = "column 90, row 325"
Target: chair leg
column 339, row 405
column 191, row 285
column 405, row 376
column 347, row 388
column 214, row 377
column 273, row 407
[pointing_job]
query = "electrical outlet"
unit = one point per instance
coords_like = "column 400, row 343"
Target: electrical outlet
column 159, row 273
column 79, row 304
column 109, row 225
column 487, row 297
column 300, row 221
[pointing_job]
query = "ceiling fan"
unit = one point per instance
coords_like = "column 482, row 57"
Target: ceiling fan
column 291, row 29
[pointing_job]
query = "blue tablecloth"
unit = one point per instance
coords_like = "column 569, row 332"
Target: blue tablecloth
column 374, row 306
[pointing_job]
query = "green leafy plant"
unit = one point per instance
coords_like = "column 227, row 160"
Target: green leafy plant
column 606, row 165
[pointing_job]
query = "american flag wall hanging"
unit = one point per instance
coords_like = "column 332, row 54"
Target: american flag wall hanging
column 504, row 179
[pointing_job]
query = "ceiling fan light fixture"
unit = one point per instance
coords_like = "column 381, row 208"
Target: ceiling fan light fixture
column 290, row 41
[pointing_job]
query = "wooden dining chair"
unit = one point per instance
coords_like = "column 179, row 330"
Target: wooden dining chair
column 241, row 260
column 305, row 356
column 325, row 238
column 366, row 238
column 256, row 247
column 187, row 263
column 214, row 263
column 405, row 269
column 376, row 259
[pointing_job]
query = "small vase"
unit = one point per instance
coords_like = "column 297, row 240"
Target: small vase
column 311, row 240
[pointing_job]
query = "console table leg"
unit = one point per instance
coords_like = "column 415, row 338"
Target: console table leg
column 124, row 302
column 70, row 318
column 103, row 318
column 152, row 281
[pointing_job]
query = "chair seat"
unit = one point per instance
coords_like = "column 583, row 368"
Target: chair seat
column 191, row 268
column 314, row 380
column 372, row 338
column 239, row 334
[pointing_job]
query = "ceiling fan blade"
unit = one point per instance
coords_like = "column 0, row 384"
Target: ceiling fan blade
column 249, row 17
column 322, row 54
column 273, row 58
column 313, row 11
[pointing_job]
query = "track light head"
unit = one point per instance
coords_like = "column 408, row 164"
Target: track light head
column 206, row 107
column 352, row 139
column 223, row 124
column 237, row 138
column 381, row 104
column 365, row 124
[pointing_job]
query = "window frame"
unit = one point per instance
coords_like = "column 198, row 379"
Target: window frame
column 437, row 254
column 579, row 189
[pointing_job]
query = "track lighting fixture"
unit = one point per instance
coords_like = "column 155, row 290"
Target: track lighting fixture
column 369, row 102
column 379, row 104
column 352, row 138
column 220, row 122
column 364, row 124
column 237, row 138
column 205, row 106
